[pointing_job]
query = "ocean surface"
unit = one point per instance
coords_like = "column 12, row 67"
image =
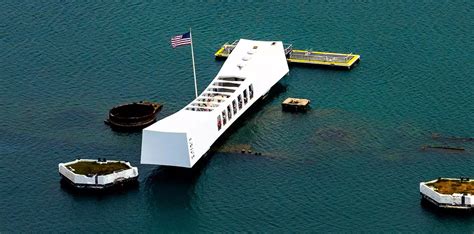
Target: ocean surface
column 352, row 163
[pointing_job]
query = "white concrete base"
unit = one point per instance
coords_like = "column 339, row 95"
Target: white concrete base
column 450, row 201
column 98, row 181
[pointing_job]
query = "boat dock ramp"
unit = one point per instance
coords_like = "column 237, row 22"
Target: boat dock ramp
column 307, row 57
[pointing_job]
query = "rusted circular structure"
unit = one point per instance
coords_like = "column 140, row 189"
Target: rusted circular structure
column 133, row 116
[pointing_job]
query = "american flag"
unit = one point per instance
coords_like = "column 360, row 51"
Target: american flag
column 184, row 39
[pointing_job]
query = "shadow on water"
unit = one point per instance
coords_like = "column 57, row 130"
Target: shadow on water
column 325, row 67
column 446, row 213
column 173, row 187
column 98, row 194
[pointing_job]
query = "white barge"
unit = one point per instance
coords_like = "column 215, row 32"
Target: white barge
column 449, row 193
column 97, row 174
column 249, row 73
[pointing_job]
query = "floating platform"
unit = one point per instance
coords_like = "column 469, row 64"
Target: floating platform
column 323, row 58
column 295, row 104
column 101, row 174
column 306, row 57
column 133, row 116
column 449, row 193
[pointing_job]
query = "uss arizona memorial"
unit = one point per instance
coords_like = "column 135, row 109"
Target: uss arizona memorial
column 182, row 138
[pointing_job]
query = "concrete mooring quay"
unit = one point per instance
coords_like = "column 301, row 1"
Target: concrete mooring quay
column 307, row 57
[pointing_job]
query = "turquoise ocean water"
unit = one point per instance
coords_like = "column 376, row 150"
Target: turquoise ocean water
column 352, row 163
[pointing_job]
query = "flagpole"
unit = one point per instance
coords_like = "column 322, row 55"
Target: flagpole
column 194, row 67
